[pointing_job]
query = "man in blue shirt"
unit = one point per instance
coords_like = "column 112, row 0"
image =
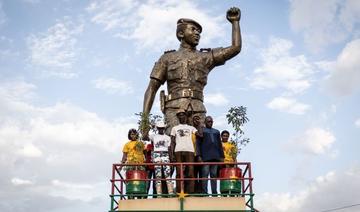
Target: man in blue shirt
column 209, row 149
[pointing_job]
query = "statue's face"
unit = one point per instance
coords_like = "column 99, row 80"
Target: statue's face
column 191, row 35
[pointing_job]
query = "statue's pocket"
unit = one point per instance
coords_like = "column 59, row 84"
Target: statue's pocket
column 174, row 71
column 201, row 74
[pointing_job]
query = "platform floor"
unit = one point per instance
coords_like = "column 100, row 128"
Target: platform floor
column 190, row 203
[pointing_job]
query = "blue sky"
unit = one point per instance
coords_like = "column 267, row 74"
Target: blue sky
column 73, row 73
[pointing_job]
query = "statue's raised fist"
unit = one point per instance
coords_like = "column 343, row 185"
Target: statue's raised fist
column 233, row 14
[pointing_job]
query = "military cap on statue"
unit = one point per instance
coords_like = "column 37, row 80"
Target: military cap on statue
column 189, row 21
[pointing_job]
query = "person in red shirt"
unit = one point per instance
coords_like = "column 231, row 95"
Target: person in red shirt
column 149, row 168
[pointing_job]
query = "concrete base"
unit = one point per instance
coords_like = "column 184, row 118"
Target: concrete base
column 190, row 203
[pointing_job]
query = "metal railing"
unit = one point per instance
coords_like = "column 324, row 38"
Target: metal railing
column 119, row 183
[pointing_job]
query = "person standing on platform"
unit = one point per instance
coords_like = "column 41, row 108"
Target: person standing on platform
column 230, row 149
column 133, row 151
column 182, row 150
column 150, row 169
column 195, row 136
column 161, row 143
column 209, row 149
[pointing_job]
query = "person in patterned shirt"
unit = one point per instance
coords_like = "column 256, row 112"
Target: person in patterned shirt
column 161, row 143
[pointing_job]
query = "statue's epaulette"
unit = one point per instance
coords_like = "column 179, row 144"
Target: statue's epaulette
column 205, row 50
column 168, row 51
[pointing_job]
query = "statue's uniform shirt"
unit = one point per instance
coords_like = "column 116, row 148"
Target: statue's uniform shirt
column 186, row 69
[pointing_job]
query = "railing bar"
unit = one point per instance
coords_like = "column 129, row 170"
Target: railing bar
column 186, row 178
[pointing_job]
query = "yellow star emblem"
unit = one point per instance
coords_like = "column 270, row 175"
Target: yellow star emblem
column 182, row 195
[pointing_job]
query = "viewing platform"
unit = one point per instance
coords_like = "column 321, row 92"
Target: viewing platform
column 129, row 193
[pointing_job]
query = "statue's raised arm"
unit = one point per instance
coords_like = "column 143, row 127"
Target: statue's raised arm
column 233, row 16
column 186, row 70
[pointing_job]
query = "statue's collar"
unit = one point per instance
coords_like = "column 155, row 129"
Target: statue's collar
column 186, row 48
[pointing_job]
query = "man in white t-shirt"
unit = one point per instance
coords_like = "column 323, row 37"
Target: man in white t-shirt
column 161, row 143
column 183, row 149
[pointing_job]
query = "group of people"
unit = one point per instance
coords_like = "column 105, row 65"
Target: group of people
column 199, row 142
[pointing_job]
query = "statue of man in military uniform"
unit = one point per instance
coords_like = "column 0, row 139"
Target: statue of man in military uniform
column 186, row 71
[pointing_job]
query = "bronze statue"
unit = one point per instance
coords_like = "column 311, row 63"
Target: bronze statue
column 186, row 70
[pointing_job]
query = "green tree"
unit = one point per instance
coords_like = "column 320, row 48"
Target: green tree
column 146, row 123
column 237, row 117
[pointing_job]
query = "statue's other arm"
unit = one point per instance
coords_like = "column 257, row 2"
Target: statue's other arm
column 149, row 95
column 233, row 16
column 157, row 78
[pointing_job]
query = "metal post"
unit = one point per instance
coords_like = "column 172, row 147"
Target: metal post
column 112, row 187
column 251, row 190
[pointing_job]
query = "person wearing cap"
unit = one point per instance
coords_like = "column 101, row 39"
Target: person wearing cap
column 182, row 150
column 160, row 154
column 186, row 70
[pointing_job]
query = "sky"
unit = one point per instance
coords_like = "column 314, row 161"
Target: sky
column 74, row 73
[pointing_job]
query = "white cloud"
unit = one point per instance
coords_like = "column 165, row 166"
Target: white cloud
column 13, row 98
column 17, row 90
column 334, row 21
column 73, row 191
column 111, row 13
column 344, row 78
column 54, row 52
column 288, row 105
column 53, row 146
column 336, row 186
column 281, row 202
column 216, row 99
column 146, row 22
column 25, row 126
column 220, row 122
column 21, row 182
column 357, row 123
column 281, row 70
column 29, row 150
column 62, row 123
column 113, row 86
column 314, row 141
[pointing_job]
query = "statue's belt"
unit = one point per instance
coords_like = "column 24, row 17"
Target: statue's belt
column 186, row 93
